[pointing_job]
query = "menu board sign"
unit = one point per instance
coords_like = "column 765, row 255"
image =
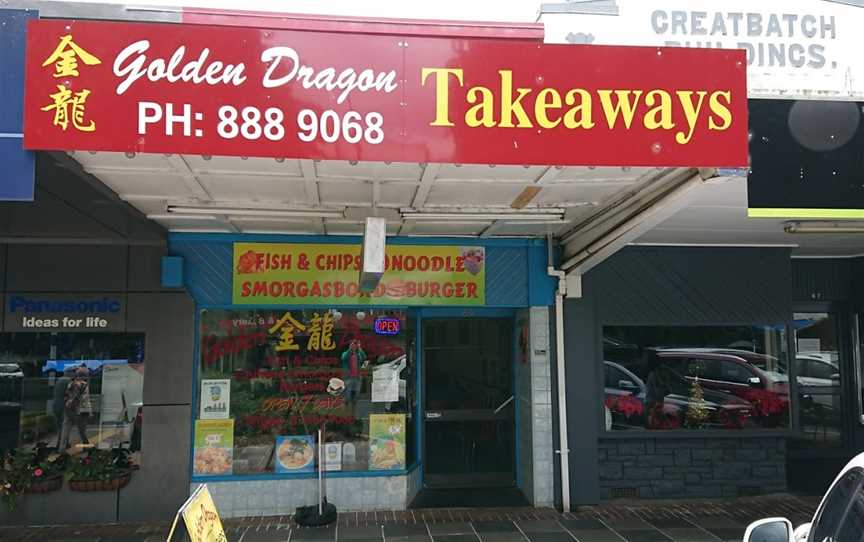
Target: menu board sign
column 299, row 274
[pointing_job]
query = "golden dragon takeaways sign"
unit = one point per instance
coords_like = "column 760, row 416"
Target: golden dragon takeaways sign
column 238, row 91
column 298, row 274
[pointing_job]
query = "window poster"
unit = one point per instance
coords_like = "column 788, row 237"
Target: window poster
column 215, row 399
column 294, row 371
column 295, row 453
column 385, row 386
column 214, row 447
column 333, row 456
column 386, row 441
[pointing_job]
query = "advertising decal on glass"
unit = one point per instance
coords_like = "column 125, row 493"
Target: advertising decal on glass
column 295, row 371
column 333, row 456
column 295, row 453
column 235, row 91
column 214, row 447
column 386, row 441
column 215, row 399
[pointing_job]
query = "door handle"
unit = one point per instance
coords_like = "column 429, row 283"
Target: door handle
column 502, row 405
column 432, row 415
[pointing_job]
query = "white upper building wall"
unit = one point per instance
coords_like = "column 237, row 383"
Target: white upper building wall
column 795, row 48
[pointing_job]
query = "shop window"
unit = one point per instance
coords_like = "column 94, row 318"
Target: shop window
column 72, row 391
column 270, row 379
column 818, row 362
column 695, row 377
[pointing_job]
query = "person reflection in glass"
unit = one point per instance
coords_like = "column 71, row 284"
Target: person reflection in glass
column 58, row 405
column 353, row 360
column 76, row 400
column 659, row 383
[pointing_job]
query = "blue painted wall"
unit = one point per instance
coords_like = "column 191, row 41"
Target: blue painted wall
column 18, row 165
column 515, row 274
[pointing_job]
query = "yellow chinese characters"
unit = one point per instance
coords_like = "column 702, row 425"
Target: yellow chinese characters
column 68, row 106
column 64, row 100
column 287, row 327
column 321, row 333
column 65, row 58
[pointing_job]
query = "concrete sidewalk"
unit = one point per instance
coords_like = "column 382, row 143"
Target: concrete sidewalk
column 694, row 520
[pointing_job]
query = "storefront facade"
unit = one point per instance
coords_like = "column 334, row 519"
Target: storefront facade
column 720, row 356
column 439, row 378
column 82, row 288
column 442, row 376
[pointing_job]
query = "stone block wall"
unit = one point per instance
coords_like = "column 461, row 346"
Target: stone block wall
column 692, row 467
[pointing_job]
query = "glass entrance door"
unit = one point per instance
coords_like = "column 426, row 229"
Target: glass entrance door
column 469, row 404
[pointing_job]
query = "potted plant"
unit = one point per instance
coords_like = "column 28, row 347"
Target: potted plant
column 31, row 470
column 100, row 470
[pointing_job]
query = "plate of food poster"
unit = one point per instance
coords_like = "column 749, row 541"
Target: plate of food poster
column 295, row 453
column 214, row 447
column 386, row 441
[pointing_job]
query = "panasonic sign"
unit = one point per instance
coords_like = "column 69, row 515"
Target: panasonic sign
column 64, row 312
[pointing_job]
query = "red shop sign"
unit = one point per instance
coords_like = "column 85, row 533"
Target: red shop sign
column 194, row 89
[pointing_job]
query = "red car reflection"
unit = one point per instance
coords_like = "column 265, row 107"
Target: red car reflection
column 625, row 395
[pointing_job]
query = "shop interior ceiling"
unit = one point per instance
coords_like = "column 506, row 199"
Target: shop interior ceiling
column 714, row 213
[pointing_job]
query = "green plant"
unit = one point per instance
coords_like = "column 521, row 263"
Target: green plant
column 96, row 464
column 24, row 467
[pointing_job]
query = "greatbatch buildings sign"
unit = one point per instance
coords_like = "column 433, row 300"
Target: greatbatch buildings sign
column 233, row 91
column 795, row 48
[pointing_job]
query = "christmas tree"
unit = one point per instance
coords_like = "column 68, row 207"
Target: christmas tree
column 697, row 410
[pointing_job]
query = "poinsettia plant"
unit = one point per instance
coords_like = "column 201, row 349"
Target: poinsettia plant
column 96, row 464
column 23, row 467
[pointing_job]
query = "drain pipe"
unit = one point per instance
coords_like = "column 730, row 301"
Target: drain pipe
column 564, row 450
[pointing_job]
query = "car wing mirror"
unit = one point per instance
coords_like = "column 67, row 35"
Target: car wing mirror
column 835, row 377
column 802, row 532
column 769, row 530
column 754, row 381
column 626, row 384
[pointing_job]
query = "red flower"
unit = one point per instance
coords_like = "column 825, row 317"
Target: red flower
column 37, row 473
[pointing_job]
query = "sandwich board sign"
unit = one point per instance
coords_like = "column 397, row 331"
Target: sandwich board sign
column 200, row 517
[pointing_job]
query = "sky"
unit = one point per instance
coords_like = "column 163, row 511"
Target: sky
column 474, row 10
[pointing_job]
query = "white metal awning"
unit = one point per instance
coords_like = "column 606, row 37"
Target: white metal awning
column 344, row 193
column 261, row 195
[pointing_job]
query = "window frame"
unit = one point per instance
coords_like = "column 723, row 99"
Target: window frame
column 414, row 314
column 785, row 340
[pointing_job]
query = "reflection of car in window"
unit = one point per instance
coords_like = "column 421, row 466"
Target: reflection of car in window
column 818, row 381
column 11, row 384
column 11, row 370
column 767, row 391
column 625, row 395
column 620, row 351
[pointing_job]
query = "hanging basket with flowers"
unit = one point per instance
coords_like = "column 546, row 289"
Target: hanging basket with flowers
column 30, row 470
column 100, row 470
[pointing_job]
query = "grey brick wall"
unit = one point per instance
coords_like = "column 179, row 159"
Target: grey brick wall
column 692, row 467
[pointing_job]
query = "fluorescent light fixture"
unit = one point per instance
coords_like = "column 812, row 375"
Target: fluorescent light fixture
column 253, row 211
column 552, row 216
column 823, row 227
